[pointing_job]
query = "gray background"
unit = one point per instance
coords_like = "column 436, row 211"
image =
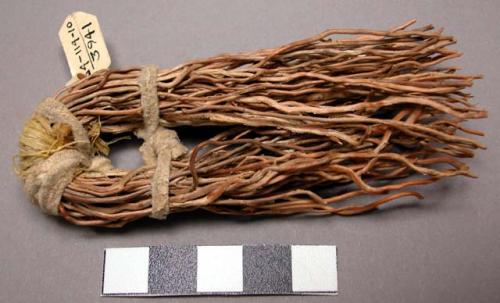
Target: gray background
column 444, row 249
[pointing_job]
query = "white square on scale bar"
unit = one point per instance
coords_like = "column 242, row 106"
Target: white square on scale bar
column 126, row 270
column 314, row 268
column 220, row 269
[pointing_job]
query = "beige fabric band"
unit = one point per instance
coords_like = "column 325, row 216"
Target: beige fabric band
column 160, row 145
column 46, row 181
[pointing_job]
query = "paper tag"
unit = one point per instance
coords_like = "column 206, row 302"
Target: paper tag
column 83, row 44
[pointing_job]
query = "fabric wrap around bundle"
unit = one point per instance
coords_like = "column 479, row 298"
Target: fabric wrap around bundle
column 46, row 181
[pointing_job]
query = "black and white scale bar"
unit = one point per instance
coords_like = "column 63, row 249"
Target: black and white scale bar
column 220, row 270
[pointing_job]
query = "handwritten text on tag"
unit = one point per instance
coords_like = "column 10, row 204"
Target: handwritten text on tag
column 83, row 44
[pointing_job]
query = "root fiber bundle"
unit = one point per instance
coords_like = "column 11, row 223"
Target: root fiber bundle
column 314, row 126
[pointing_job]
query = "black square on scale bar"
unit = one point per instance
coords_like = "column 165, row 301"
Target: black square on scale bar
column 267, row 269
column 172, row 270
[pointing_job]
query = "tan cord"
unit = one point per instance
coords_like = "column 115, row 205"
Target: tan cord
column 160, row 145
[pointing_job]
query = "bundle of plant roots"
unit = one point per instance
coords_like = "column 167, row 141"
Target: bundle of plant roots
column 314, row 126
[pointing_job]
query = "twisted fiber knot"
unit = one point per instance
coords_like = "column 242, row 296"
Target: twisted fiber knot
column 46, row 180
